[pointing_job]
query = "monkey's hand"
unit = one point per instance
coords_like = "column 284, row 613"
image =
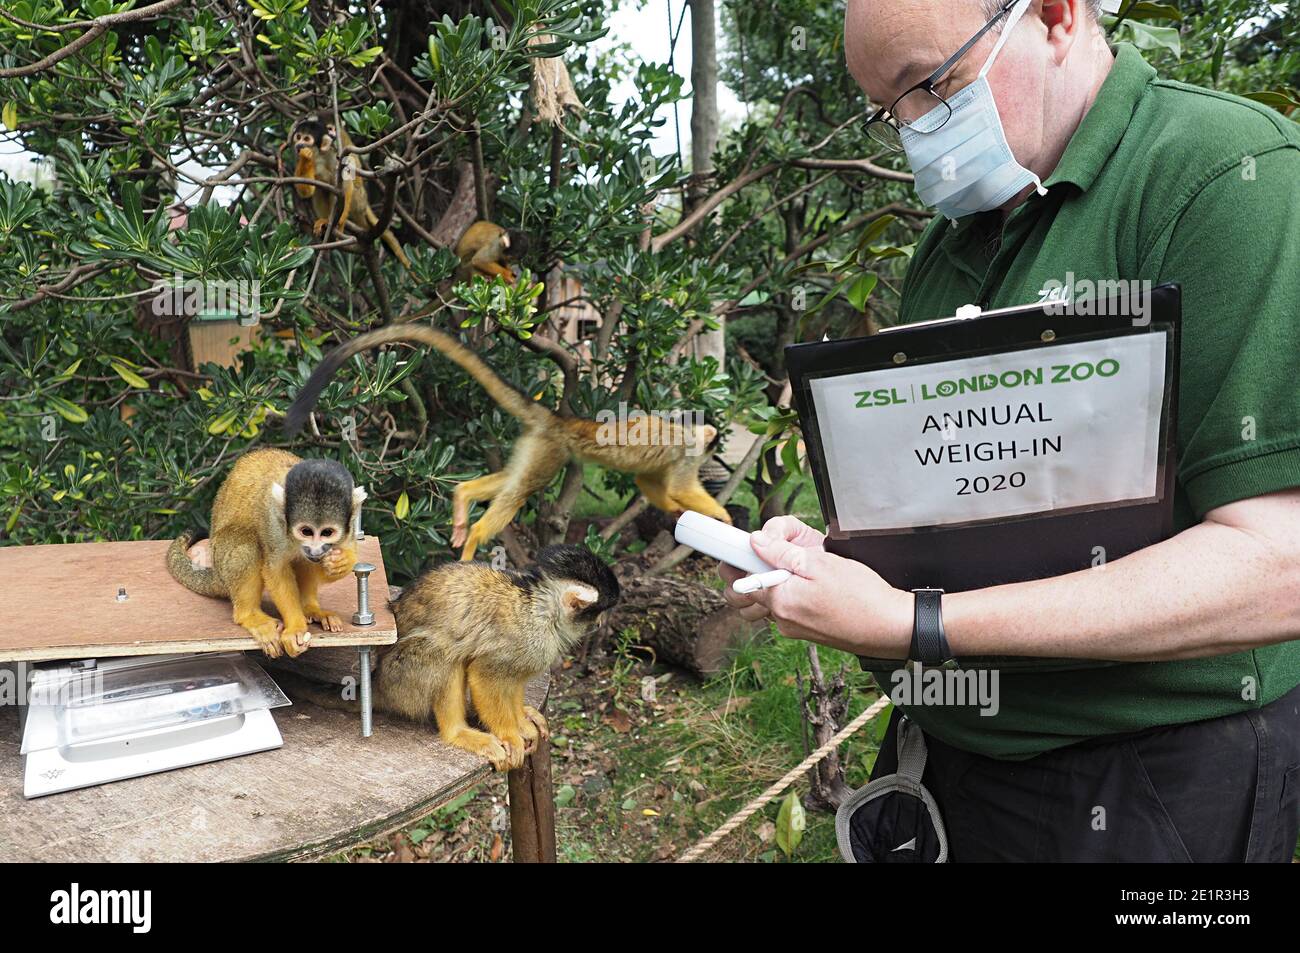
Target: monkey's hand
column 502, row 754
column 515, row 752
column 319, row 227
column 338, row 562
column 295, row 641
column 329, row 621
column 266, row 631
column 533, row 728
column 488, row 746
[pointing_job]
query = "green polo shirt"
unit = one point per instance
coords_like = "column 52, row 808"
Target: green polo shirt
column 1168, row 183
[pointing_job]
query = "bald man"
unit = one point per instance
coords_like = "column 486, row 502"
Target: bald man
column 1046, row 153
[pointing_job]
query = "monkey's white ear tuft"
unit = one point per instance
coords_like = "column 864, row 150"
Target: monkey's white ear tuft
column 505, row 239
column 578, row 597
column 277, row 494
column 358, row 496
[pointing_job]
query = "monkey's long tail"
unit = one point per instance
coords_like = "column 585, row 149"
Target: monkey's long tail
column 202, row 581
column 506, row 397
column 390, row 240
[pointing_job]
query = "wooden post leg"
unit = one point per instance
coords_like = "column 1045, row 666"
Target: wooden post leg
column 532, row 808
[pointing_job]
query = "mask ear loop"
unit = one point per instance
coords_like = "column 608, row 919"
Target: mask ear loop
column 1005, row 35
column 988, row 63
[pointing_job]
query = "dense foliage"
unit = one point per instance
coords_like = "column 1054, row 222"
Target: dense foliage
column 183, row 107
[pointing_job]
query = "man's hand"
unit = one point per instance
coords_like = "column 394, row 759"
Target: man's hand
column 829, row 599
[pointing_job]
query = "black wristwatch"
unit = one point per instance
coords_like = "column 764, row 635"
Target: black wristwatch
column 929, row 644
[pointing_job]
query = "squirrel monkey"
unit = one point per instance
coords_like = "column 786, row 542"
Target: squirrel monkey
column 665, row 460
column 470, row 628
column 282, row 524
column 487, row 249
column 316, row 146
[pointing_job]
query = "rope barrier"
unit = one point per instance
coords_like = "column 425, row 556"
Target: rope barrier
column 767, row 796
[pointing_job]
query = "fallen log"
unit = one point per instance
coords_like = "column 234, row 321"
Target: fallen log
column 686, row 624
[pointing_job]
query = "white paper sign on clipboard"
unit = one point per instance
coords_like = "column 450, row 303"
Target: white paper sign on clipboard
column 1092, row 476
column 1053, row 429
column 946, row 502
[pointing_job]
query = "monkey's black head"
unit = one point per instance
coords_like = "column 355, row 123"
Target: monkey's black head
column 307, row 132
column 520, row 244
column 319, row 500
column 579, row 564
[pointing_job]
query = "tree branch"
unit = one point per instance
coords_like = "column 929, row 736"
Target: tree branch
column 97, row 28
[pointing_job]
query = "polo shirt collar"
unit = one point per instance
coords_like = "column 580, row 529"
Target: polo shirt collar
column 1105, row 123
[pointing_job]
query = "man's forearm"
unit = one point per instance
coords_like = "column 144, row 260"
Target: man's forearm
column 1211, row 590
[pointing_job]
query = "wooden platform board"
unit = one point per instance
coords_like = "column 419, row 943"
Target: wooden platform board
column 61, row 602
column 326, row 789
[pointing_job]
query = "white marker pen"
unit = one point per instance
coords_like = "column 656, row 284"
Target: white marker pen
column 763, row 580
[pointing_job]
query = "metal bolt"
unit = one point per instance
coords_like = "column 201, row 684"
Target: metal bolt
column 121, row 593
column 367, row 713
column 363, row 615
column 900, row 358
column 356, row 527
column 1048, row 336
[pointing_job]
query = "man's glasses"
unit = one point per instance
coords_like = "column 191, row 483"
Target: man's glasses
column 884, row 127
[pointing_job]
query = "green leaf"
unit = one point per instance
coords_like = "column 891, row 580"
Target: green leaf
column 1153, row 11
column 403, row 506
column 1216, row 64
column 130, row 376
column 68, row 410
column 456, row 803
column 9, row 116
column 222, row 423
column 1277, row 98
column 875, row 230
column 791, row 821
column 1148, row 37
column 565, row 795
column 860, row 290
column 790, row 456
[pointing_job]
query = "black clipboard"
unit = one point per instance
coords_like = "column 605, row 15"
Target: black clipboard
column 1034, row 546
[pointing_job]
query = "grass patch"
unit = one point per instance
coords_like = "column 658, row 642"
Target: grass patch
column 642, row 780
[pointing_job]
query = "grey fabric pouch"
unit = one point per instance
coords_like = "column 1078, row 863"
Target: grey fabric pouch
column 894, row 819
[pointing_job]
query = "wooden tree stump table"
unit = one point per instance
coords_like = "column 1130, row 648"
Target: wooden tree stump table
column 325, row 790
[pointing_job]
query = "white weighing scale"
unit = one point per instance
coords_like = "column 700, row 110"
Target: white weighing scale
column 92, row 721
column 119, row 692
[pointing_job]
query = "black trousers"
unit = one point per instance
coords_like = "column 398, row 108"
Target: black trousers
column 1225, row 790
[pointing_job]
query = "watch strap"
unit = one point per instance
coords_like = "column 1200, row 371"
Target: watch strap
column 929, row 644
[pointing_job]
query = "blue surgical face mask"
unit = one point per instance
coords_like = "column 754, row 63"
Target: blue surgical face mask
column 966, row 165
